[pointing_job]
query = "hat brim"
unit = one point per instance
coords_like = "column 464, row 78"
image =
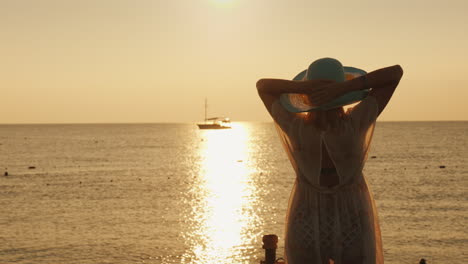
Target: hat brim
column 295, row 103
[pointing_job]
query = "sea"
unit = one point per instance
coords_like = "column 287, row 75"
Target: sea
column 171, row 193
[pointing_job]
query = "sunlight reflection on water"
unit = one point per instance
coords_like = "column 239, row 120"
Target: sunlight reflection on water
column 223, row 219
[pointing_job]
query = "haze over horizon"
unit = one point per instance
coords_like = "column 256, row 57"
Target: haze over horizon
column 122, row 61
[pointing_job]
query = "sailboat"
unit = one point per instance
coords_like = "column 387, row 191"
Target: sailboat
column 214, row 122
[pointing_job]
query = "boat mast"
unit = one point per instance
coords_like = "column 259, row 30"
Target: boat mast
column 206, row 106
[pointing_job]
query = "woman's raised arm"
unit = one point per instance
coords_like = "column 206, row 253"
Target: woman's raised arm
column 382, row 83
column 271, row 89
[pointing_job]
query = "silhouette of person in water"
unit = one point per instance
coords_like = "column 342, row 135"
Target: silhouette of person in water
column 331, row 215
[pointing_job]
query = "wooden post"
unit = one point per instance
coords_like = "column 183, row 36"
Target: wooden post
column 270, row 244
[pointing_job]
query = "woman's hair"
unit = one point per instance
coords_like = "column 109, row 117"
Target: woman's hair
column 323, row 120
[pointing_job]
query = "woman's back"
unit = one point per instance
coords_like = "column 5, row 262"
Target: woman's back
column 342, row 145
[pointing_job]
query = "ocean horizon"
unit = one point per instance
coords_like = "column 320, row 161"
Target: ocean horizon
column 200, row 121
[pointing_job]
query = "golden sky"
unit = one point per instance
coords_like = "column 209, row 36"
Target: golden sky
column 92, row 61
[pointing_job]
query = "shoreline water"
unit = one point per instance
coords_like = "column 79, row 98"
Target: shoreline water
column 103, row 193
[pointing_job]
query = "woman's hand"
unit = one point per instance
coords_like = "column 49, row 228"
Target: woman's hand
column 323, row 94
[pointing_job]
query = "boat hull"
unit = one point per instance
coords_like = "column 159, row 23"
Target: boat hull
column 212, row 126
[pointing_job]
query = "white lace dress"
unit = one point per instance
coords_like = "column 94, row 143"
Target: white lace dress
column 340, row 222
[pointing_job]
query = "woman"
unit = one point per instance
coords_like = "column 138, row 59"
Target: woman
column 332, row 215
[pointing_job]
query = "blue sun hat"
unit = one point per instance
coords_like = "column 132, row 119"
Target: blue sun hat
column 328, row 69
